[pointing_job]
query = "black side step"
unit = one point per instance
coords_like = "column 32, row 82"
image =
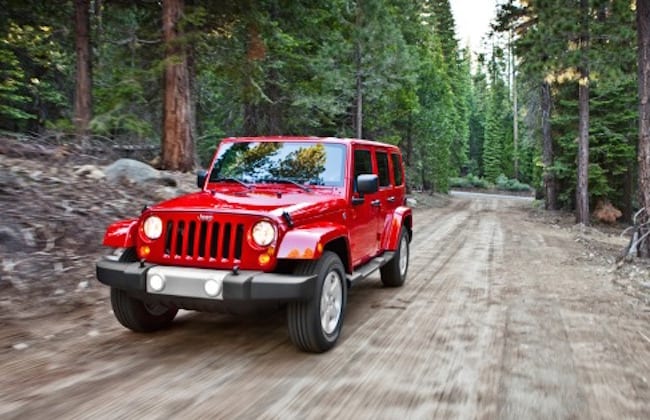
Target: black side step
column 370, row 267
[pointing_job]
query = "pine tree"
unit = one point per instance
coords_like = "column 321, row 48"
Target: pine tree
column 643, row 37
column 478, row 108
column 497, row 147
column 492, row 145
column 458, row 74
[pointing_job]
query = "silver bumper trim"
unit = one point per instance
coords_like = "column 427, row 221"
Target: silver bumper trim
column 187, row 282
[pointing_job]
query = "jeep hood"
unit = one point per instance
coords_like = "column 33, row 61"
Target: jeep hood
column 296, row 204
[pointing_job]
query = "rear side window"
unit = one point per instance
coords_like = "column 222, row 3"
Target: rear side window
column 382, row 169
column 397, row 169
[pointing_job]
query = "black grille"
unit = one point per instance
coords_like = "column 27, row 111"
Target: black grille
column 193, row 239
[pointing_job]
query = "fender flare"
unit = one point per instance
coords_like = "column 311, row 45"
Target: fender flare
column 121, row 234
column 402, row 216
column 308, row 243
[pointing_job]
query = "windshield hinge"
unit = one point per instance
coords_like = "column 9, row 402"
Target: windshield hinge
column 287, row 218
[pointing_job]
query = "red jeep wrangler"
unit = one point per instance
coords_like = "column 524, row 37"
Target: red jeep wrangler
column 289, row 221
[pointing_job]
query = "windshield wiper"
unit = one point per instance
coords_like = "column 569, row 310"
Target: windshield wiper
column 287, row 181
column 231, row 179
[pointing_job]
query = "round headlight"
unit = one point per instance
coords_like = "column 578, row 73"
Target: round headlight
column 263, row 233
column 152, row 227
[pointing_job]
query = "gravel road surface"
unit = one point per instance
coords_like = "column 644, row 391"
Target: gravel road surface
column 501, row 316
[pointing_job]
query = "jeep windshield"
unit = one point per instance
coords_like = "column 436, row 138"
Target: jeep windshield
column 298, row 164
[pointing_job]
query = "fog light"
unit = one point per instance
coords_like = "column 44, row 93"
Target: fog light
column 212, row 287
column 156, row 282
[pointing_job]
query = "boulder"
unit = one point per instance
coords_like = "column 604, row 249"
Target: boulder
column 136, row 172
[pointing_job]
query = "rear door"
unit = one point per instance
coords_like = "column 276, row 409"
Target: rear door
column 385, row 200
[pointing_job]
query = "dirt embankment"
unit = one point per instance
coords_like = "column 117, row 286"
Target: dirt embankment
column 55, row 209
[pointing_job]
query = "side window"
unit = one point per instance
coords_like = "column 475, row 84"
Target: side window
column 382, row 169
column 397, row 169
column 362, row 162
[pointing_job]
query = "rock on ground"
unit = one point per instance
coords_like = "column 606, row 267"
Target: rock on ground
column 136, row 172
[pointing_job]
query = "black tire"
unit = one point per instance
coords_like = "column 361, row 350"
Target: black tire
column 394, row 272
column 129, row 255
column 306, row 319
column 138, row 316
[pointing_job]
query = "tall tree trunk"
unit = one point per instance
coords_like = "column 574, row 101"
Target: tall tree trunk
column 548, row 157
column 643, row 37
column 628, row 194
column 255, row 113
column 358, row 121
column 358, row 118
column 83, row 83
column 408, row 147
column 515, row 106
column 515, row 120
column 178, row 134
column 98, row 35
column 582, row 190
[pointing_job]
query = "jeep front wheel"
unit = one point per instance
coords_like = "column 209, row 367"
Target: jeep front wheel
column 394, row 272
column 315, row 325
column 139, row 316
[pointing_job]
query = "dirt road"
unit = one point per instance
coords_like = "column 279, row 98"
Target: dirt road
column 501, row 317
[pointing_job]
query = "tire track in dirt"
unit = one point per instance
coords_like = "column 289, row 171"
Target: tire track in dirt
column 370, row 336
column 414, row 362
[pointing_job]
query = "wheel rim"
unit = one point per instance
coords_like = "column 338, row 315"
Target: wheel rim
column 331, row 302
column 403, row 256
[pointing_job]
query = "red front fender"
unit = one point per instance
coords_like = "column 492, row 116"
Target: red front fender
column 121, row 234
column 308, row 243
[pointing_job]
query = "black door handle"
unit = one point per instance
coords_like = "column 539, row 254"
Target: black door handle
column 391, row 199
column 375, row 203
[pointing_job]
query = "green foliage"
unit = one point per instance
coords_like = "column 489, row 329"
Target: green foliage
column 434, row 124
column 469, row 181
column 13, row 94
column 478, row 108
column 127, row 74
column 32, row 64
column 503, row 183
column 495, row 133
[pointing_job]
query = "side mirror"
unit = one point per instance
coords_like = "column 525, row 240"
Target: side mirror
column 367, row 183
column 201, row 175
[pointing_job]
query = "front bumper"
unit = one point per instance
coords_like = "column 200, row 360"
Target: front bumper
column 189, row 282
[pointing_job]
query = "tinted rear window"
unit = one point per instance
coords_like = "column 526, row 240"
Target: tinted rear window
column 397, row 169
column 382, row 169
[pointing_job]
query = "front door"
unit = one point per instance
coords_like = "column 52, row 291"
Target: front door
column 365, row 214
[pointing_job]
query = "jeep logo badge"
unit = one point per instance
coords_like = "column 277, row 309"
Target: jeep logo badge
column 205, row 217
